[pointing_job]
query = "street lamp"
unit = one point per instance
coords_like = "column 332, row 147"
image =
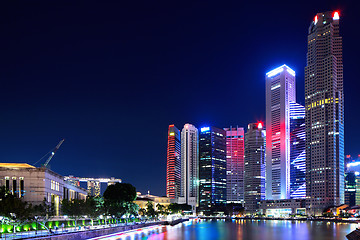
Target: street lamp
column 36, row 226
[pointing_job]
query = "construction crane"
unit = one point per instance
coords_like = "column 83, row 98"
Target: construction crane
column 53, row 152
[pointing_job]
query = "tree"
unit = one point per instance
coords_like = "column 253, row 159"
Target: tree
column 75, row 208
column 94, row 207
column 118, row 200
column 13, row 209
column 142, row 212
column 178, row 208
column 161, row 209
column 150, row 211
column 121, row 192
column 43, row 212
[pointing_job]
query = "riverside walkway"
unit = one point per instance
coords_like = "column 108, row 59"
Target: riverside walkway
column 53, row 234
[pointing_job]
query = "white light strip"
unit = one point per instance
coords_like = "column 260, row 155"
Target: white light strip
column 279, row 70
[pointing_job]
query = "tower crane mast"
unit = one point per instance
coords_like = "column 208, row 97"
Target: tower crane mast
column 53, row 152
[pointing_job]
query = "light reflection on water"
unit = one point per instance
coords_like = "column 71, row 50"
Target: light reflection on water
column 244, row 229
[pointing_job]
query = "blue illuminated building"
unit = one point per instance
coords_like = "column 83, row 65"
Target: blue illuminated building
column 212, row 169
column 350, row 188
column 297, row 151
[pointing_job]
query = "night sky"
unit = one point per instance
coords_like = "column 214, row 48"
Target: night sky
column 110, row 77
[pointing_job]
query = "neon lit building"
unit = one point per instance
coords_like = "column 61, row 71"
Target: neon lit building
column 352, row 182
column 254, row 174
column 173, row 164
column 212, row 168
column 234, row 165
column 189, row 166
column 324, row 114
column 297, row 151
column 280, row 92
column 350, row 188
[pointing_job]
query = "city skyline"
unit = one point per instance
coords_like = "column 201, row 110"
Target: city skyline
column 81, row 79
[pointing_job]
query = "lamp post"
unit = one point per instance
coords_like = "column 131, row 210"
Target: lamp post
column 36, row 226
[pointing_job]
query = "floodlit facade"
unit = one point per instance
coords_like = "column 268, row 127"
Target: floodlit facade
column 34, row 184
column 283, row 207
column 324, row 114
column 280, row 92
column 212, row 168
column 254, row 174
column 189, row 166
column 234, row 165
column 173, row 164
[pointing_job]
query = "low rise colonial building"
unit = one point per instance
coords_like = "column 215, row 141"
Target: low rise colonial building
column 142, row 200
column 34, row 185
column 283, row 207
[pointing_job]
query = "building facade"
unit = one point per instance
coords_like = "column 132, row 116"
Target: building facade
column 324, row 114
column 283, row 207
column 234, row 165
column 212, row 168
column 189, row 166
column 280, row 92
column 34, row 185
column 350, row 188
column 254, row 166
column 173, row 163
column 297, row 151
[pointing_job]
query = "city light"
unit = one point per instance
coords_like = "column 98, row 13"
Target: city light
column 279, row 70
column 316, row 19
column 353, row 164
column 205, row 129
column 336, row 16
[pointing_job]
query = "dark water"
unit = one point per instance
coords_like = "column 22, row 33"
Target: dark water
column 245, row 229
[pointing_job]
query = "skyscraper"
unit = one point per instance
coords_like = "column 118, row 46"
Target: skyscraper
column 254, row 175
column 297, row 151
column 189, row 166
column 350, row 188
column 212, row 168
column 234, row 165
column 324, row 114
column 280, row 92
column 173, row 164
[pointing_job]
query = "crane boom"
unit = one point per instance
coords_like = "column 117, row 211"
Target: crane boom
column 53, row 152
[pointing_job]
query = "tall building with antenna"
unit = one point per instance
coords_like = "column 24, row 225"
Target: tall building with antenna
column 324, row 113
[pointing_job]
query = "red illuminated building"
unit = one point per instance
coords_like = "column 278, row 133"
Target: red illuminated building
column 234, row 165
column 173, row 164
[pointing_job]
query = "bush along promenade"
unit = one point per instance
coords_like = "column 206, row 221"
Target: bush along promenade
column 20, row 219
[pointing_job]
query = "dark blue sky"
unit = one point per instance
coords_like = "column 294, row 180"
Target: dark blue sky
column 110, row 77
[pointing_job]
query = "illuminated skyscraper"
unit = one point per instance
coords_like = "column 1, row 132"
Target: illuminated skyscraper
column 254, row 175
column 297, row 151
column 234, row 165
column 324, row 114
column 280, row 92
column 212, row 168
column 189, row 166
column 173, row 164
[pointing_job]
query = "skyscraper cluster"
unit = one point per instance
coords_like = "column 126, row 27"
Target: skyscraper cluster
column 300, row 155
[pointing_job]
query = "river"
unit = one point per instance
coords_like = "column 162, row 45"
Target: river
column 242, row 229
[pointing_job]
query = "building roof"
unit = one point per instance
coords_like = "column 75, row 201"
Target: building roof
column 16, row 165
